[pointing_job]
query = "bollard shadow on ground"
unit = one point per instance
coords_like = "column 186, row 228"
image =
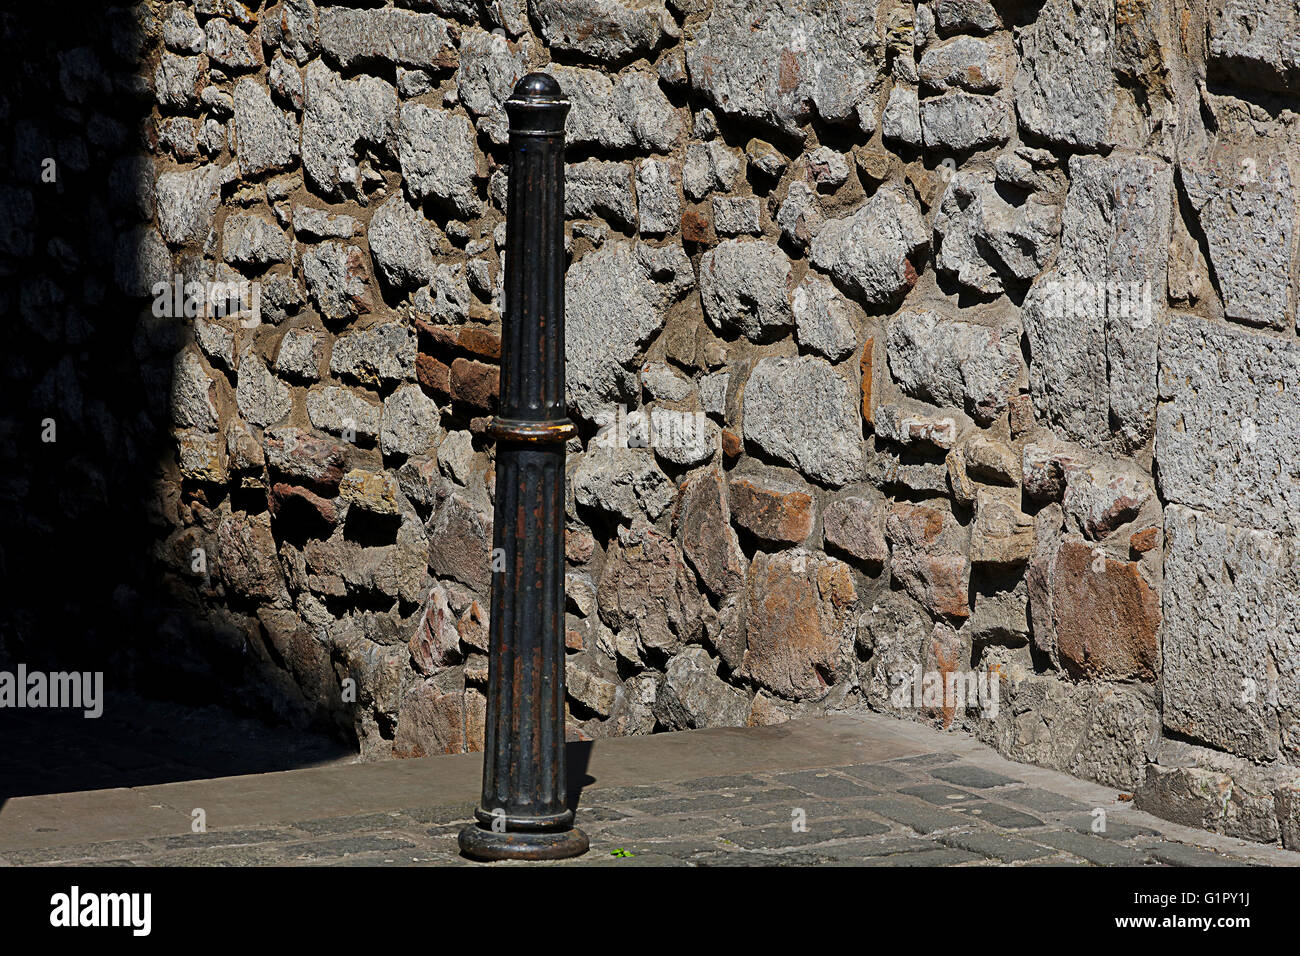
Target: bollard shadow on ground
column 577, row 758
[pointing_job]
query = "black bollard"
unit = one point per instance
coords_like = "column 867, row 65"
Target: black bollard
column 523, row 814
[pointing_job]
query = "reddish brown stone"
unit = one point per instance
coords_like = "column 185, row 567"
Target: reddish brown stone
column 475, row 720
column 702, row 520
column 579, row 545
column 856, row 526
column 430, row 720
column 284, row 496
column 460, row 541
column 732, row 446
column 1021, row 414
column 800, row 610
column 1099, row 615
column 867, row 364
column 314, row 462
column 473, row 626
column 573, row 639
column 248, row 560
column 475, row 383
column 1140, row 542
column 469, row 338
column 433, row 375
column 436, row 641
column 480, row 342
column 697, row 227
column 440, row 338
column 356, row 275
column 771, row 509
column 929, row 557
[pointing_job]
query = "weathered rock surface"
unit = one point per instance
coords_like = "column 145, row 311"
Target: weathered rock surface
column 1064, row 88
column 961, row 121
column 598, row 188
column 460, row 541
column 969, row 63
column 777, row 62
column 616, row 298
column 659, row 203
column 436, row 150
column 874, row 252
column 822, row 316
column 985, row 241
column 1253, row 42
column 1230, row 637
column 187, row 202
column 629, row 112
column 1228, row 423
column 402, row 244
column 804, row 414
column 253, row 240
column 624, row 482
column 1099, row 615
column 1104, row 732
column 343, row 412
column 746, row 287
column 337, row 280
column 702, row 520
column 1093, row 320
column 384, row 352
column 1001, row 533
column 929, row 557
column 772, row 509
column 1248, row 217
column 800, row 622
column 419, row 40
column 692, row 694
column 488, row 72
column 338, row 115
column 648, row 589
column 948, row 362
column 266, row 137
column 855, row 525
column 602, row 30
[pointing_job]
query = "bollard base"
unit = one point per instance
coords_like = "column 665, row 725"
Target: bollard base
column 481, row 844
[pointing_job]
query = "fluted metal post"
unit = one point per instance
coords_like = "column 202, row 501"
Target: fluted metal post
column 523, row 813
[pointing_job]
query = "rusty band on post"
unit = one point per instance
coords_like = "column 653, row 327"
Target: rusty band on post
column 529, row 432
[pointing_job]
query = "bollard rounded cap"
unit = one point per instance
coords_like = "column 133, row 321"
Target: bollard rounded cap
column 537, row 86
column 537, row 105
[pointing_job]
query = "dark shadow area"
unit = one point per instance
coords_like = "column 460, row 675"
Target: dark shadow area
column 85, row 434
column 139, row 742
column 577, row 757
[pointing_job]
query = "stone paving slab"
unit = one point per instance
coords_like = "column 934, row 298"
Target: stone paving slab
column 850, row 790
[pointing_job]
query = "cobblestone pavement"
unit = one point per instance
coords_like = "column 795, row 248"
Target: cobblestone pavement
column 959, row 806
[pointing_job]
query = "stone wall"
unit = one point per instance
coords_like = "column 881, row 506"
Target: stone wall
column 906, row 340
